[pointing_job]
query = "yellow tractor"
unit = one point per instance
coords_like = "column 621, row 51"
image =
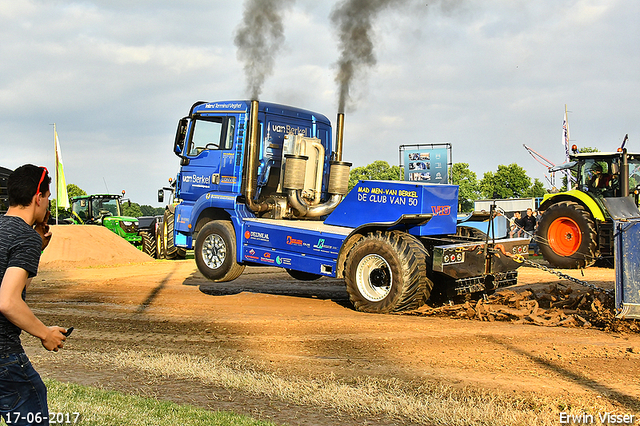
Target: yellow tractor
column 575, row 228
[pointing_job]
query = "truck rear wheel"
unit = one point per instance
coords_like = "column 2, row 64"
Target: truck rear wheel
column 215, row 252
column 567, row 236
column 170, row 251
column 387, row 272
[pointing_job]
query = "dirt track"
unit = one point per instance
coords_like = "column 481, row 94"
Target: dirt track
column 307, row 329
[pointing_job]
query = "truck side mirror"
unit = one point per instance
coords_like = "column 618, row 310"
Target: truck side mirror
column 161, row 195
column 181, row 134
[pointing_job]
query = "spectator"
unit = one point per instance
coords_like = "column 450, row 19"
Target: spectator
column 24, row 234
column 529, row 223
column 516, row 225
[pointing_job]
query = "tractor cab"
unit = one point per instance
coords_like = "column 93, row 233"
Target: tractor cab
column 92, row 209
column 607, row 174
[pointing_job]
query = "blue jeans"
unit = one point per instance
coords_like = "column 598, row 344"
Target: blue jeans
column 23, row 395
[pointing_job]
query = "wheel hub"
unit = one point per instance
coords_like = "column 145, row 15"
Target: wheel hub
column 565, row 236
column 374, row 278
column 214, row 251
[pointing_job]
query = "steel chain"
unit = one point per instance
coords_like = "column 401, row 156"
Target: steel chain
column 520, row 259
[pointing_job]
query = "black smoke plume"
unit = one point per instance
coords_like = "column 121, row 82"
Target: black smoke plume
column 353, row 20
column 258, row 38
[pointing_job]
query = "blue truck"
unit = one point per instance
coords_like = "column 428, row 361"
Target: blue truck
column 263, row 184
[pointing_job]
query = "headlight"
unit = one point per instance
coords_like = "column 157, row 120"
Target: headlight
column 127, row 223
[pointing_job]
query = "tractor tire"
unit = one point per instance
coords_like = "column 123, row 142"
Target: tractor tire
column 170, row 250
column 567, row 236
column 148, row 244
column 303, row 276
column 387, row 272
column 215, row 252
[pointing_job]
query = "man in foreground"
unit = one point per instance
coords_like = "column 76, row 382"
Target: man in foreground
column 23, row 235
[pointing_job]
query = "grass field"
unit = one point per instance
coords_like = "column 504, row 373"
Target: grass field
column 410, row 403
column 87, row 406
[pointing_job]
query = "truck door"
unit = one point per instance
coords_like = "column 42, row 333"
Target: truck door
column 209, row 151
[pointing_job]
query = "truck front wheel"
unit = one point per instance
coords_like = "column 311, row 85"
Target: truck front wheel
column 215, row 252
column 387, row 272
column 567, row 236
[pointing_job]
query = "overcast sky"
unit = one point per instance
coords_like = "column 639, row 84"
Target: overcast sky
column 487, row 76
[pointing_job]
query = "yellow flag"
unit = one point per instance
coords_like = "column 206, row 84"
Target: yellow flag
column 61, row 184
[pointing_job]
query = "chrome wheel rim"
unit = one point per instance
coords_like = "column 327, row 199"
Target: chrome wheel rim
column 214, row 251
column 374, row 278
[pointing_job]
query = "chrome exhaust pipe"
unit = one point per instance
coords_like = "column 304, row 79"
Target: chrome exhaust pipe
column 302, row 209
column 338, row 180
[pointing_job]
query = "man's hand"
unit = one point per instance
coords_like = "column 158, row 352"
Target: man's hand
column 42, row 228
column 54, row 339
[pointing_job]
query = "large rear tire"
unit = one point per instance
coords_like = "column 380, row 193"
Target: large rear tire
column 148, row 244
column 170, row 250
column 567, row 236
column 387, row 272
column 215, row 252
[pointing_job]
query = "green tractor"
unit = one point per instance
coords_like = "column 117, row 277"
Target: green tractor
column 105, row 210
column 575, row 228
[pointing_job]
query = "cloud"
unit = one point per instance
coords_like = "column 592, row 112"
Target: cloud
column 486, row 76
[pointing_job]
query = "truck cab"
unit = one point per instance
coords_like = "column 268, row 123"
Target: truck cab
column 211, row 143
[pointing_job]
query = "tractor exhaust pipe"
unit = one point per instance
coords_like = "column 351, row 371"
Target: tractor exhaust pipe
column 624, row 174
column 250, row 180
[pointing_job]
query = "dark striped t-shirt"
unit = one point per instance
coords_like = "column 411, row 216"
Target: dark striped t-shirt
column 20, row 247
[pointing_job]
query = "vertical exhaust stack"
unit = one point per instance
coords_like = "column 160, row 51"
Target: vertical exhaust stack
column 624, row 175
column 339, row 136
column 251, row 168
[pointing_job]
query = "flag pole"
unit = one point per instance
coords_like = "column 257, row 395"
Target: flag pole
column 55, row 149
column 565, row 142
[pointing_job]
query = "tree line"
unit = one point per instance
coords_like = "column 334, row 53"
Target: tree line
column 507, row 182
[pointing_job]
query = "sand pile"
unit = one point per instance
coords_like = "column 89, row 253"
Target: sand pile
column 78, row 246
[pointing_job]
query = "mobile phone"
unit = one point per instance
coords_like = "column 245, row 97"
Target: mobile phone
column 69, row 330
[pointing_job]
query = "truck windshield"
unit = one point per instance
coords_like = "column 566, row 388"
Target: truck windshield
column 211, row 133
column 634, row 173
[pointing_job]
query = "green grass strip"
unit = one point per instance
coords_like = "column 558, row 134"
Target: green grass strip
column 101, row 407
